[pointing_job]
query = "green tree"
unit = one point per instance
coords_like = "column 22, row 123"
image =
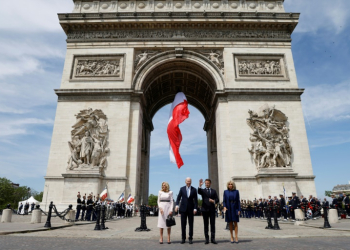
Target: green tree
column 327, row 193
column 152, row 200
column 6, row 192
column 39, row 196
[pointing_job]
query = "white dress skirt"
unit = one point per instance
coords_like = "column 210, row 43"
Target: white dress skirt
column 166, row 203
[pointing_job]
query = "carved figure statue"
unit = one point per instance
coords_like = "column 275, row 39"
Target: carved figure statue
column 216, row 57
column 98, row 68
column 143, row 57
column 89, row 142
column 270, row 145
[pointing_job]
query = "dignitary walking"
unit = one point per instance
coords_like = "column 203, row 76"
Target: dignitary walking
column 232, row 208
column 165, row 204
column 210, row 199
column 188, row 208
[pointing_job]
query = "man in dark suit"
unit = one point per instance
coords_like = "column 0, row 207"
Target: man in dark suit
column 188, row 197
column 210, row 198
column 347, row 205
column 283, row 207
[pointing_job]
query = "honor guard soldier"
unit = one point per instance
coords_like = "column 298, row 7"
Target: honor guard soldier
column 249, row 209
column 264, row 208
column 89, row 204
column 290, row 208
column 255, row 209
column 346, row 202
column 83, row 208
column 260, row 208
column 242, row 213
column 244, row 209
column 283, row 207
column 78, row 206
column 295, row 204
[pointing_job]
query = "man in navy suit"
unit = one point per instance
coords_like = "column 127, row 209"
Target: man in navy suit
column 210, row 198
column 188, row 208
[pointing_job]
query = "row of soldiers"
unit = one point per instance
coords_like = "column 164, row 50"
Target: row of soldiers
column 259, row 209
column 87, row 208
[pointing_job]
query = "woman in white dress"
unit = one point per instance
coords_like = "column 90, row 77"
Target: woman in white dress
column 165, row 204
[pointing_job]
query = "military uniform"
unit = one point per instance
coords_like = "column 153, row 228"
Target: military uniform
column 83, row 208
column 89, row 210
column 283, row 207
column 78, row 208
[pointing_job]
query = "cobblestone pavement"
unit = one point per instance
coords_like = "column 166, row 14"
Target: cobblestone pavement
column 44, row 243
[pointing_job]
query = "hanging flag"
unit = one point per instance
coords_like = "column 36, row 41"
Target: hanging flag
column 178, row 113
column 121, row 198
column 103, row 195
column 130, row 199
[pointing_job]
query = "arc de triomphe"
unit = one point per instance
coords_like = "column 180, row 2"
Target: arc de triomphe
column 127, row 59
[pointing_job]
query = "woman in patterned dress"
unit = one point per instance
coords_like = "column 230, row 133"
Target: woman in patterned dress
column 232, row 208
column 165, row 204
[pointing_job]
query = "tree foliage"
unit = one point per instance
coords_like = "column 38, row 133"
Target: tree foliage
column 152, row 200
column 327, row 193
column 12, row 195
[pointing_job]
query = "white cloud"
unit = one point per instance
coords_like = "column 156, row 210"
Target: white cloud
column 320, row 14
column 33, row 15
column 20, row 126
column 326, row 102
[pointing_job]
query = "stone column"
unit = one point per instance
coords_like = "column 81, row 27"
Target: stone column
column 213, row 159
column 36, row 216
column 6, row 216
column 299, row 217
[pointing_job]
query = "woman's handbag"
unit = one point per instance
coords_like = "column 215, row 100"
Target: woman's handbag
column 170, row 221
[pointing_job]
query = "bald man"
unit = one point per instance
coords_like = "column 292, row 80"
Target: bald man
column 188, row 197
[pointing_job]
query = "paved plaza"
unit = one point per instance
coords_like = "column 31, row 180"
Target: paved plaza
column 121, row 235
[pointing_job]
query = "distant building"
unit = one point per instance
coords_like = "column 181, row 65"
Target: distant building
column 14, row 185
column 339, row 189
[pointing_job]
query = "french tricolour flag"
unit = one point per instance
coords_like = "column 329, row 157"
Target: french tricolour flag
column 130, row 199
column 121, row 198
column 178, row 113
column 103, row 195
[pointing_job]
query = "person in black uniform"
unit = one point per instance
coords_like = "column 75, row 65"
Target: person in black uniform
column 347, row 205
column 295, row 204
column 89, row 204
column 78, row 206
column 210, row 199
column 260, row 208
column 264, row 209
column 283, row 207
column 83, row 207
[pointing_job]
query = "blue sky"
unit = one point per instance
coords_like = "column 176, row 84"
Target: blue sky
column 32, row 52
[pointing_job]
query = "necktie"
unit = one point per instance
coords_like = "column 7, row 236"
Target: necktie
column 208, row 191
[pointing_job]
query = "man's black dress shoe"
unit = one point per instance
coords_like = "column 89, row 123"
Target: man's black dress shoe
column 206, row 242
column 214, row 242
column 183, row 241
column 190, row 241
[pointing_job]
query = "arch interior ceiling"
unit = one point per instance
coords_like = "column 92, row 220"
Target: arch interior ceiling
column 161, row 85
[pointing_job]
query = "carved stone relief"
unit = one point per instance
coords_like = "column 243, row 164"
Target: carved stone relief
column 142, row 56
column 260, row 67
column 270, row 146
column 216, row 56
column 89, row 143
column 98, row 68
column 183, row 34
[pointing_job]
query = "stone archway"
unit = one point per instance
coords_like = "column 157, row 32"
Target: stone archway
column 158, row 80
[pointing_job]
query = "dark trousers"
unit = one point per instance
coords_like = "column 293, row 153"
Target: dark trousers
column 83, row 214
column 184, row 216
column 78, row 213
column 88, row 215
column 292, row 214
column 206, row 217
column 284, row 213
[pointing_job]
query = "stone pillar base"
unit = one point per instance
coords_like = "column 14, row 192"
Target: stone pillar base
column 70, row 216
column 6, row 216
column 299, row 217
column 36, row 216
column 333, row 216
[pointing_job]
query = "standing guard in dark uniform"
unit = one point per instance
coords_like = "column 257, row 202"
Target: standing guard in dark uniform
column 255, row 209
column 83, row 207
column 346, row 202
column 295, row 204
column 260, row 208
column 242, row 213
column 119, row 210
column 244, row 209
column 283, row 207
column 249, row 209
column 264, row 208
column 78, row 206
column 89, row 204
column 290, row 208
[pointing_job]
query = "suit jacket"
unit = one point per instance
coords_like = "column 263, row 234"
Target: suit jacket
column 346, row 201
column 187, row 203
column 206, row 205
